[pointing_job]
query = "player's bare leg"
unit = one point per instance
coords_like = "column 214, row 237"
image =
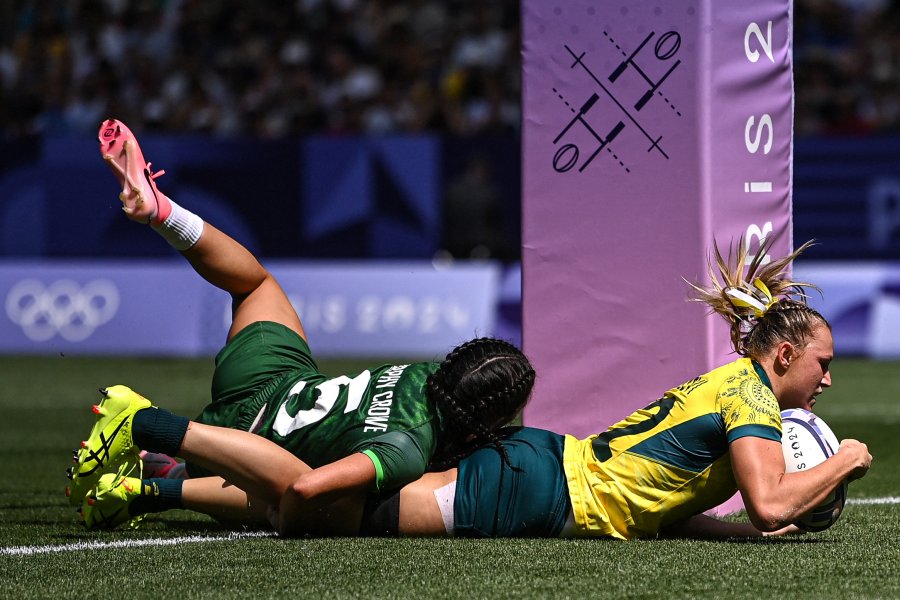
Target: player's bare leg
column 106, row 486
column 247, row 460
column 229, row 504
column 420, row 513
column 224, row 502
column 256, row 295
column 217, row 257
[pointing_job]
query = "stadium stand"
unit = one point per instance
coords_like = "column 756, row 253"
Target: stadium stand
column 274, row 69
column 269, row 69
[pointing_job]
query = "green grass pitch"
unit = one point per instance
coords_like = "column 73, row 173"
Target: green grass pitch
column 45, row 552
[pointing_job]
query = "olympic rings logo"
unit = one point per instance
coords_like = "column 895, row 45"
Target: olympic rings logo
column 62, row 308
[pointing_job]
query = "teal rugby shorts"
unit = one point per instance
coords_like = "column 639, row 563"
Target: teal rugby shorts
column 493, row 500
column 250, row 368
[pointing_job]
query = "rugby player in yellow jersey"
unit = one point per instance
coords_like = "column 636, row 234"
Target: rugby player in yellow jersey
column 661, row 467
column 655, row 472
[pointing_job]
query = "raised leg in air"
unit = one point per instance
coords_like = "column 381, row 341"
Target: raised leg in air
column 217, row 257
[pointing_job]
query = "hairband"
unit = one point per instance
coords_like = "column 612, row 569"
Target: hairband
column 760, row 299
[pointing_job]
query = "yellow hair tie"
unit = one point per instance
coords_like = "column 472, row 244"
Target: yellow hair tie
column 759, row 300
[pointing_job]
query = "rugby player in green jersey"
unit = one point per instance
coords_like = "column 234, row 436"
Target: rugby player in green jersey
column 377, row 429
column 656, row 472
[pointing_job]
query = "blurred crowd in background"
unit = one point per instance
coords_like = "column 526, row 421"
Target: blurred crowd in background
column 263, row 68
column 279, row 68
column 847, row 67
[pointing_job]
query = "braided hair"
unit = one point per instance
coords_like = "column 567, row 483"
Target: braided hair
column 481, row 385
column 762, row 307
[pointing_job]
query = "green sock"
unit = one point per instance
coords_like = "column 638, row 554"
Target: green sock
column 157, row 495
column 158, row 430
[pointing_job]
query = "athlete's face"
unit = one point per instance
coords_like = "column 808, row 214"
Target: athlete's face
column 806, row 370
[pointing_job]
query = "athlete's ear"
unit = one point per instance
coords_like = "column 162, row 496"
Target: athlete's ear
column 785, row 353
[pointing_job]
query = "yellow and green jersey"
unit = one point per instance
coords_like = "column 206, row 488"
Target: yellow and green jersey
column 669, row 461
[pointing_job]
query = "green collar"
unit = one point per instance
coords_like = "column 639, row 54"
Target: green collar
column 762, row 374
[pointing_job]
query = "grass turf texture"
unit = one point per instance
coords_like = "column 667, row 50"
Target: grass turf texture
column 45, row 404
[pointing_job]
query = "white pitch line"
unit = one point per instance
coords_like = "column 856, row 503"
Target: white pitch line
column 200, row 539
column 193, row 539
column 886, row 500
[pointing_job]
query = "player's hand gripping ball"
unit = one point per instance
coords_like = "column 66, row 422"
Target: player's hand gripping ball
column 806, row 441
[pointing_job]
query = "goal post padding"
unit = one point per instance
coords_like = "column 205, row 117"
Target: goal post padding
column 649, row 130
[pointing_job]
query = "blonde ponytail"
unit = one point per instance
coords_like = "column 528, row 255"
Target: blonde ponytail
column 761, row 295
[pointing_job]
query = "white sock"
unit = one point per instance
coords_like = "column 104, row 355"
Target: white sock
column 181, row 229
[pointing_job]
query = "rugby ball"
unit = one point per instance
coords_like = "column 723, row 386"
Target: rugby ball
column 806, row 441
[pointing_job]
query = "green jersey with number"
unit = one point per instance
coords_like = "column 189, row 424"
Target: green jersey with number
column 383, row 412
column 267, row 382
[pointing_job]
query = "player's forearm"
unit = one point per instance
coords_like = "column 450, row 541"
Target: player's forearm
column 705, row 527
column 774, row 498
column 334, row 512
column 295, row 515
column 794, row 494
column 321, row 500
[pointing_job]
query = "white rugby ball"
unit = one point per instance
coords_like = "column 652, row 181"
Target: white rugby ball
column 806, row 441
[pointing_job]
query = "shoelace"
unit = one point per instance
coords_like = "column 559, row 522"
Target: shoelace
column 153, row 175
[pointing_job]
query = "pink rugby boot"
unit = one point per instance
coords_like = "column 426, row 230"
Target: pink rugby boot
column 141, row 200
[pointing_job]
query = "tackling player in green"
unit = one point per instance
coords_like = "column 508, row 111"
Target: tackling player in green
column 377, row 429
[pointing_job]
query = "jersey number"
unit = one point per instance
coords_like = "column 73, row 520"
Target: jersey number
column 329, row 391
column 601, row 442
